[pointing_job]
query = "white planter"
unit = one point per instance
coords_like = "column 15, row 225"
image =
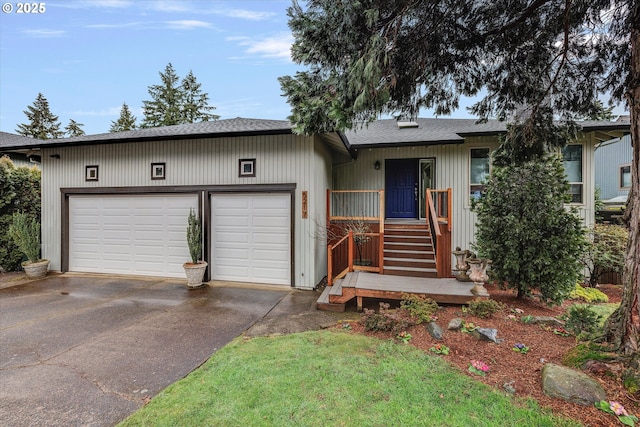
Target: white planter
column 36, row 270
column 195, row 273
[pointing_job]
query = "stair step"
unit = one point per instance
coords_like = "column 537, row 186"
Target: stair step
column 336, row 289
column 408, row 247
column 413, row 272
column 407, row 239
column 323, row 302
column 409, row 263
column 427, row 254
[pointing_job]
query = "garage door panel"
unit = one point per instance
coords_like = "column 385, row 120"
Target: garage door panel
column 136, row 234
column 251, row 238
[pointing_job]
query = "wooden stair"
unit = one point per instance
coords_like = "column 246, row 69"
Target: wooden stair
column 334, row 298
column 408, row 250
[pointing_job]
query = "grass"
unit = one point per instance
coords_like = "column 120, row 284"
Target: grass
column 330, row 378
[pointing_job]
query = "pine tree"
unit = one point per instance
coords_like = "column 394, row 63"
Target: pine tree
column 196, row 104
column 126, row 121
column 74, row 128
column 164, row 109
column 370, row 57
column 176, row 102
column 42, row 123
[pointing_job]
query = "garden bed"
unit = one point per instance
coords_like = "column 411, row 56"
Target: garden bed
column 518, row 370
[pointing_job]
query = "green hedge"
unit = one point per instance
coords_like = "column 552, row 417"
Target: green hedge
column 19, row 192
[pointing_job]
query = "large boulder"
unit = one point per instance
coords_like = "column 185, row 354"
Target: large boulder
column 571, row 385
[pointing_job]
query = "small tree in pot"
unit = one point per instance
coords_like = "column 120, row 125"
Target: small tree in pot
column 25, row 232
column 196, row 268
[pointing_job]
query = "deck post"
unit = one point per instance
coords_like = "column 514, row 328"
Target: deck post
column 350, row 250
column 381, row 207
column 329, row 266
column 381, row 254
column 359, row 303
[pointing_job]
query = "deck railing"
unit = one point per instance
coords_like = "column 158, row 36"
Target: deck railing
column 439, row 204
column 364, row 251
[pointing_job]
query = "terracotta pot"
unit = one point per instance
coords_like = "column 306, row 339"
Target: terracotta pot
column 36, row 270
column 195, row 273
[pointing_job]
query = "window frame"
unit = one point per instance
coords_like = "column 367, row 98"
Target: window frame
column 581, row 183
column 621, row 174
column 476, row 184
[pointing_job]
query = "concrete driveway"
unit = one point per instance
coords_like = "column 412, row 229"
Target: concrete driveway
column 89, row 351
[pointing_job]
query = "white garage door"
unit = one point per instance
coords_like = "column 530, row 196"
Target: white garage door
column 251, row 238
column 138, row 235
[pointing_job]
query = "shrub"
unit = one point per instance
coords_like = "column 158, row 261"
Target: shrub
column 194, row 237
column 584, row 352
column 605, row 250
column 484, row 308
column 419, row 306
column 385, row 320
column 589, row 295
column 524, row 228
column 582, row 319
column 25, row 232
column 19, row 192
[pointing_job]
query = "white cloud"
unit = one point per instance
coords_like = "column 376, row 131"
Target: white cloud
column 245, row 14
column 123, row 25
column 103, row 4
column 278, row 47
column 188, row 24
column 45, row 33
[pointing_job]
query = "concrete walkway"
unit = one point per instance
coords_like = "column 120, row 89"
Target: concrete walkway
column 90, row 350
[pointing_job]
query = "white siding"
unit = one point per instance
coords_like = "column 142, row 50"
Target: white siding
column 280, row 159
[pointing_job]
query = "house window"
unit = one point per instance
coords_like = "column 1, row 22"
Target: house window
column 478, row 171
column 625, row 177
column 572, row 155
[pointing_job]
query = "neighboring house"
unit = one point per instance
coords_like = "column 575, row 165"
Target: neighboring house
column 18, row 158
column 613, row 167
column 118, row 202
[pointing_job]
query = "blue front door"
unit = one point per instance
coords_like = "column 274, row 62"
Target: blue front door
column 401, row 188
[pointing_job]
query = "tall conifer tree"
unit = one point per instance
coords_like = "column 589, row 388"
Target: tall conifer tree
column 42, row 123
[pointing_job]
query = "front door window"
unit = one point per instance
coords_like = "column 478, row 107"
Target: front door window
column 427, row 180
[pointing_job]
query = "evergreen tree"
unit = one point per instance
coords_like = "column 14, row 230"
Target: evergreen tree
column 42, row 123
column 164, row 109
column 370, row 57
column 196, row 103
column 74, row 128
column 176, row 102
column 126, row 121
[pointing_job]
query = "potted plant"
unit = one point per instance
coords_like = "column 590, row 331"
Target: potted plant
column 25, row 232
column 196, row 268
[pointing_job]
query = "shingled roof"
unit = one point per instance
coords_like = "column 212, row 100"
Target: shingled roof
column 381, row 133
column 213, row 129
column 390, row 132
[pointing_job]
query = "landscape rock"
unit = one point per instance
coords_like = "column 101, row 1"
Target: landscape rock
column 488, row 334
column 455, row 324
column 547, row 321
column 571, row 385
column 434, row 330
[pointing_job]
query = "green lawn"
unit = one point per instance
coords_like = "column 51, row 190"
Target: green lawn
column 331, row 378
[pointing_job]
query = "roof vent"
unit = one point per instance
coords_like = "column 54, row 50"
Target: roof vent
column 407, row 124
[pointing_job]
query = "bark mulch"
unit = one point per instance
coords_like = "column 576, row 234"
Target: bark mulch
column 522, row 371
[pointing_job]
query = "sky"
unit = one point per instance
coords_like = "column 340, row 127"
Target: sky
column 89, row 57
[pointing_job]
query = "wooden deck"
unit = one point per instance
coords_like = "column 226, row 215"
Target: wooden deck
column 361, row 284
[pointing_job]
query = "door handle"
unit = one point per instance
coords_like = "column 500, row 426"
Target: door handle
column 415, row 191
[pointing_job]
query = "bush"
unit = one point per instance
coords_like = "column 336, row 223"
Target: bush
column 582, row 319
column 590, row 295
column 523, row 226
column 484, row 308
column 605, row 250
column 19, row 192
column 385, row 320
column 25, row 232
column 419, row 306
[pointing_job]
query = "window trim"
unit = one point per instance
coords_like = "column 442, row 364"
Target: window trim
column 626, row 165
column 469, row 183
column 581, row 183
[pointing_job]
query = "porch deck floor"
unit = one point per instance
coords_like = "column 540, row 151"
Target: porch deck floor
column 364, row 284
